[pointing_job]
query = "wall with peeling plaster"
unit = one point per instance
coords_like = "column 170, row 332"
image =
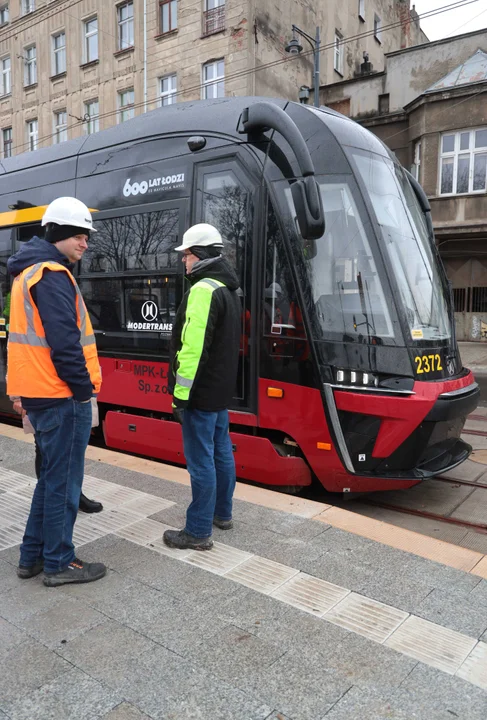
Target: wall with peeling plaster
column 253, row 35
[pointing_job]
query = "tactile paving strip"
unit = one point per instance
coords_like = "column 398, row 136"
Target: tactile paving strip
column 12, row 516
column 367, row 617
column 433, row 644
column 148, row 505
column 26, row 491
column 474, row 669
column 261, row 574
column 10, row 484
column 83, row 534
column 9, row 479
column 11, row 535
column 142, row 532
column 119, row 495
column 220, row 559
column 97, row 485
column 161, row 548
column 13, row 510
column 111, row 520
column 310, row 594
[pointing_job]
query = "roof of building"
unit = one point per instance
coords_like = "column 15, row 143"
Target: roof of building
column 473, row 70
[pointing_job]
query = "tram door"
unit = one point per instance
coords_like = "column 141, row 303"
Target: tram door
column 285, row 353
column 225, row 198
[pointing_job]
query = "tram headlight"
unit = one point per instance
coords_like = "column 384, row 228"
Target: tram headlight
column 355, row 377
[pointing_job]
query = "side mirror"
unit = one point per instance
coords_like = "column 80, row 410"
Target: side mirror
column 309, row 208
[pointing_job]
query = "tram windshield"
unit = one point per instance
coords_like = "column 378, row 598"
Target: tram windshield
column 349, row 298
column 407, row 244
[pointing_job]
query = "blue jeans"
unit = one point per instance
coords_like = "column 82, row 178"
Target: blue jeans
column 62, row 433
column 210, row 462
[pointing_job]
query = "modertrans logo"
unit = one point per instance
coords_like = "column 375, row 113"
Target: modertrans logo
column 150, row 314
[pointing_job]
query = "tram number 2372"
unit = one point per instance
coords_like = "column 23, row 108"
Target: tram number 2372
column 427, row 364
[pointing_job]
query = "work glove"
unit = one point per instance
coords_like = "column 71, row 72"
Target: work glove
column 178, row 414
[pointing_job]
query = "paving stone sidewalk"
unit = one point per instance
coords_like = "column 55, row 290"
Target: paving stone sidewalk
column 160, row 638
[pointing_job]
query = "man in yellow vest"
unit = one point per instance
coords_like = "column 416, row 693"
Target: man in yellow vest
column 53, row 367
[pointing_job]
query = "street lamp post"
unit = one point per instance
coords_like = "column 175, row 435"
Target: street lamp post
column 294, row 48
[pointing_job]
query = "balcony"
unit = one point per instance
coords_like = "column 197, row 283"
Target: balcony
column 213, row 20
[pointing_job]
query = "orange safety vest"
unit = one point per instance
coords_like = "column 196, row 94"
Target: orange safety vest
column 31, row 372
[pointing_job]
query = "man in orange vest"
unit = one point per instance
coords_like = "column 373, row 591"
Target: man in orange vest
column 53, row 367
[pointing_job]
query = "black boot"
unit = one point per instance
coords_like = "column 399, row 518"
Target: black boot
column 76, row 572
column 25, row 572
column 181, row 540
column 89, row 506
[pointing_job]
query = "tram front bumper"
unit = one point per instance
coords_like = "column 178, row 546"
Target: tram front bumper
column 415, row 437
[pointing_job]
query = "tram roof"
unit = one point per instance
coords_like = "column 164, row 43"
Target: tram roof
column 195, row 117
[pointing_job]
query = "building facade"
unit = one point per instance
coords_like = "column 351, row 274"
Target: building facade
column 74, row 67
column 429, row 106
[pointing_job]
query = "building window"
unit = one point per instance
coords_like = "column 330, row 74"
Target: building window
column 92, row 117
column 125, row 14
column 416, row 166
column 32, row 134
column 168, row 89
column 6, row 76
column 4, row 18
column 463, row 162
column 377, row 27
column 59, row 53
column 7, row 142
column 28, row 6
column 90, row 40
column 60, row 127
column 30, row 66
column 384, row 104
column 126, row 105
column 213, row 17
column 169, row 15
column 213, row 80
column 361, row 9
column 338, row 57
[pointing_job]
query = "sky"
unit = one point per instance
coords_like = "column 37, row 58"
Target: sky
column 452, row 22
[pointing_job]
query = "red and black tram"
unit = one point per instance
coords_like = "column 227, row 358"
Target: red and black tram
column 349, row 367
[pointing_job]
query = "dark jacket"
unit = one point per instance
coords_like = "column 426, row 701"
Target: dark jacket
column 206, row 338
column 55, row 298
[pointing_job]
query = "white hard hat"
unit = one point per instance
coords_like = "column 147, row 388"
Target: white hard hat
column 273, row 290
column 203, row 235
column 68, row 211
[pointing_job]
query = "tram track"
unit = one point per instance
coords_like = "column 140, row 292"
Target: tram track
column 477, row 527
column 479, row 433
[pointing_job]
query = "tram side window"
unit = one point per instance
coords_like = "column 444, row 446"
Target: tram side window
column 282, row 314
column 27, row 232
column 226, row 205
column 131, row 279
column 143, row 241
